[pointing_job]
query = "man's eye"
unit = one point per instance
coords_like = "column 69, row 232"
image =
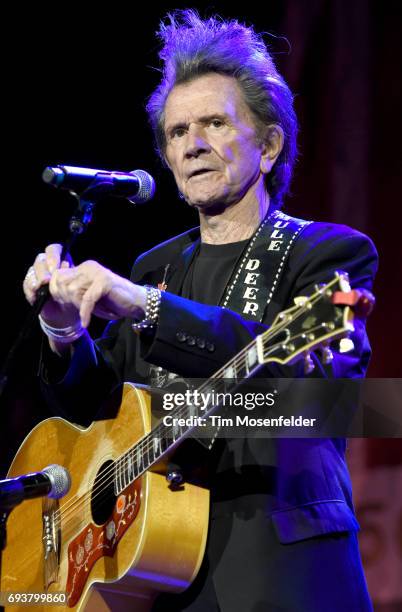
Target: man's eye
column 216, row 123
column 178, row 133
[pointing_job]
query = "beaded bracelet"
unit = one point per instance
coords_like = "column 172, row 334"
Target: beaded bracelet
column 64, row 335
column 151, row 309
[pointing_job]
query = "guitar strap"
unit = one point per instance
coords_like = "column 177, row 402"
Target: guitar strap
column 253, row 283
column 256, row 277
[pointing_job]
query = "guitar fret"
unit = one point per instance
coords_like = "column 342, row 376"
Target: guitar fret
column 121, row 482
column 176, row 431
column 164, row 444
column 242, row 369
column 156, row 447
column 192, row 411
column 230, row 372
column 251, row 358
column 134, row 464
column 150, row 449
column 130, row 470
column 144, row 451
column 139, row 459
column 115, row 477
column 126, row 476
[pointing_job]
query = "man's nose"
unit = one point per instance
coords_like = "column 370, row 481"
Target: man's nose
column 196, row 142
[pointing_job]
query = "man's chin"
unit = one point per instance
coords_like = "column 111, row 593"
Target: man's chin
column 207, row 206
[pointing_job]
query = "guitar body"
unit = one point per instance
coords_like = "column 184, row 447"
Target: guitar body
column 150, row 538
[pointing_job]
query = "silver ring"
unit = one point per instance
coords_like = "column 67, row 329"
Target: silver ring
column 30, row 273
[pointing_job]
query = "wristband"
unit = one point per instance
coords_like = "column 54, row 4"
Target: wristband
column 65, row 335
column 151, row 310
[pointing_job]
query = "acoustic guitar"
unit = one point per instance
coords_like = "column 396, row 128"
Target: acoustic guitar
column 123, row 533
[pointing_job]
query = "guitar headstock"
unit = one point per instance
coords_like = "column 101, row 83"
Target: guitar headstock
column 314, row 322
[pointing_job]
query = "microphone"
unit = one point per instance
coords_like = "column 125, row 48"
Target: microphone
column 137, row 186
column 53, row 481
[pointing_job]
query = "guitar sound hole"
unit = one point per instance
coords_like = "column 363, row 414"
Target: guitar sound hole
column 103, row 498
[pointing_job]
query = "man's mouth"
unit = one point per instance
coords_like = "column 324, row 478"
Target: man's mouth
column 200, row 172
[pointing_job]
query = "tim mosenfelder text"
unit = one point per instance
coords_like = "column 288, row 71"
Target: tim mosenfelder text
column 193, row 401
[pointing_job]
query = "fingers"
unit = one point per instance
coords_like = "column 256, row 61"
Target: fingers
column 36, row 276
column 81, row 287
column 52, row 257
column 80, row 291
column 94, row 293
column 30, row 285
column 42, row 269
column 61, row 285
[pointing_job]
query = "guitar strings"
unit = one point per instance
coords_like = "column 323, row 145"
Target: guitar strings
column 146, row 444
column 68, row 509
column 143, row 445
column 98, row 496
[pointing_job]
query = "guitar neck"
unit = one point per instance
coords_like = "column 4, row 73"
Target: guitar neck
column 163, row 438
column 312, row 322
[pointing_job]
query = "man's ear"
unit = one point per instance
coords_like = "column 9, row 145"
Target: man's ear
column 271, row 147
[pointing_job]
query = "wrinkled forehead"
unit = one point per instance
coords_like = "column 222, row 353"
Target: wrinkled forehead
column 210, row 94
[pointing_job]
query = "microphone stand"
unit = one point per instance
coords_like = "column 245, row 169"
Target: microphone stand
column 12, row 498
column 3, row 537
column 77, row 225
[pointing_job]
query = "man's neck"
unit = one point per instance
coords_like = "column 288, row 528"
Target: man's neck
column 236, row 222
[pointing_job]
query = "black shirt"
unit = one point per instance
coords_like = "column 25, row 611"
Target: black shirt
column 210, row 271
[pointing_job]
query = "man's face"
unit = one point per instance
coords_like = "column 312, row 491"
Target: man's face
column 211, row 145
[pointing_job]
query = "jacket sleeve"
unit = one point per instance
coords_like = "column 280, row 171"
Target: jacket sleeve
column 195, row 340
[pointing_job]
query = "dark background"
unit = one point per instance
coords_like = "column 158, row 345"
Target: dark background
column 74, row 85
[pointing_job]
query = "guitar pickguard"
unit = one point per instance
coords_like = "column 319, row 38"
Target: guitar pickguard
column 96, row 541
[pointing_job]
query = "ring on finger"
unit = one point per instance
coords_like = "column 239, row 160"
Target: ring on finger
column 31, row 275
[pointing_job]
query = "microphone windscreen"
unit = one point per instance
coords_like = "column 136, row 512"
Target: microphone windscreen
column 147, row 187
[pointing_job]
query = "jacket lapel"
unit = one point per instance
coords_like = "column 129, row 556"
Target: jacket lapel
column 177, row 270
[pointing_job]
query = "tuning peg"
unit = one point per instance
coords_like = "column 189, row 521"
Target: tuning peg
column 300, row 300
column 308, row 363
column 344, row 281
column 327, row 354
column 346, row 345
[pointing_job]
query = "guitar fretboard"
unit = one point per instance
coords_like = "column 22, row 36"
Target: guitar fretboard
column 311, row 322
column 163, row 438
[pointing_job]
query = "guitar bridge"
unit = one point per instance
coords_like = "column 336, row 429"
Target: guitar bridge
column 51, row 539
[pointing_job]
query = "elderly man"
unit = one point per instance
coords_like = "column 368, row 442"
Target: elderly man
column 282, row 529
